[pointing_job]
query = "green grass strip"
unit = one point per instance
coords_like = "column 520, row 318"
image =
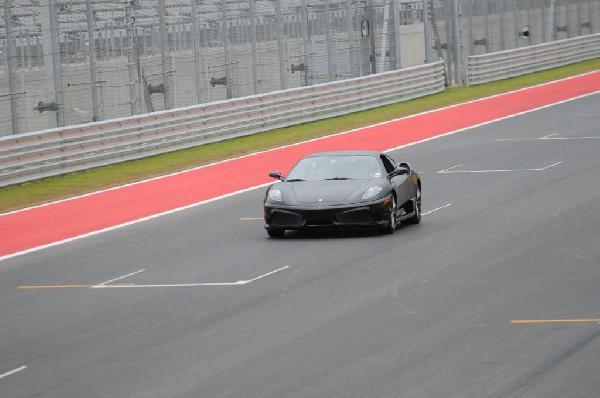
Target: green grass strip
column 55, row 188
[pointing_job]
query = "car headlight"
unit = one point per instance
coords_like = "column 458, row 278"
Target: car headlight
column 275, row 195
column 372, row 191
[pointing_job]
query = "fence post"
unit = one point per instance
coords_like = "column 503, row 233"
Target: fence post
column 133, row 92
column 10, row 62
column 226, row 49
column 164, row 48
column 458, row 46
column 49, row 22
column 278, row 24
column 305, row 41
column 350, row 21
column 329, row 40
column 397, row 48
column 92, row 54
column 427, row 31
column 255, row 75
column 196, row 46
column 371, row 28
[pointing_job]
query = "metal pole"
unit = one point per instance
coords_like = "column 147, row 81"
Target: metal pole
column 501, row 9
column 397, row 48
column 196, row 43
column 305, row 40
column 551, row 21
column 517, row 20
column 10, row 61
column 579, row 17
column 92, row 50
column 349, row 24
column 458, row 43
column 133, row 92
column 450, row 43
column 472, row 48
column 278, row 21
column 486, row 22
column 49, row 22
column 58, row 94
column 592, row 19
column 226, row 49
column 384, row 37
column 329, row 40
column 255, row 75
column 427, row 31
column 164, row 48
column 371, row 21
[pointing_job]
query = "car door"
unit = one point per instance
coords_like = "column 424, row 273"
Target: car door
column 399, row 178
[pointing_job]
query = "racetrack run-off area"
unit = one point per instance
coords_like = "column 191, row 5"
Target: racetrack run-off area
column 30, row 229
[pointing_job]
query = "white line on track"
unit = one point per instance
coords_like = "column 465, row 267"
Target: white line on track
column 552, row 137
column 238, row 283
column 12, row 372
column 453, row 170
column 436, row 209
column 549, row 137
column 450, row 168
column 119, row 278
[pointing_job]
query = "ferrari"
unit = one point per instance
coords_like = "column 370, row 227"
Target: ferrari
column 343, row 189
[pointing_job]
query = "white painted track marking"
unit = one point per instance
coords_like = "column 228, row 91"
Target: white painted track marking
column 436, row 209
column 238, row 283
column 12, row 372
column 453, row 170
column 119, row 278
column 549, row 137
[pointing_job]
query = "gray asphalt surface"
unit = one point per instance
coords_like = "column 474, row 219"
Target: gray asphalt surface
column 426, row 312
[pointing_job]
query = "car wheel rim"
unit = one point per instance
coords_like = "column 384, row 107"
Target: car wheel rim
column 418, row 209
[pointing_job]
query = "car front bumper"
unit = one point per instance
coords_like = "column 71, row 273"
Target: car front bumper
column 374, row 213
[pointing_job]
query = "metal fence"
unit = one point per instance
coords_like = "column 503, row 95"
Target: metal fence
column 68, row 62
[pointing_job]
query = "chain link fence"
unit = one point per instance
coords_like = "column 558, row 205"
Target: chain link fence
column 68, row 62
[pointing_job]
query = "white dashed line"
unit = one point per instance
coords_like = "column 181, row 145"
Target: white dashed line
column 436, row 209
column 12, row 372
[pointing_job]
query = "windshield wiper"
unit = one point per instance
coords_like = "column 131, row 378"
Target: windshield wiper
column 295, row 180
column 339, row 178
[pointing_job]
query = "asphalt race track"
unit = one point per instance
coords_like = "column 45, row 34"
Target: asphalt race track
column 495, row 294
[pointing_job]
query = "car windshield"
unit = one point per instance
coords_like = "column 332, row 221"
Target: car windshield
column 350, row 167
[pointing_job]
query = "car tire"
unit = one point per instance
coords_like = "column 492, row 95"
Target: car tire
column 276, row 232
column 417, row 217
column 392, row 224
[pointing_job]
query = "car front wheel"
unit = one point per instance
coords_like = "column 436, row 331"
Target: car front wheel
column 391, row 226
column 417, row 217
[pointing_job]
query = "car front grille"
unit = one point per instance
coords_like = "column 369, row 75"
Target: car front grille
column 283, row 219
column 362, row 216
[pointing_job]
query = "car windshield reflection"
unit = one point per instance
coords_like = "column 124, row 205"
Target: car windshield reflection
column 356, row 167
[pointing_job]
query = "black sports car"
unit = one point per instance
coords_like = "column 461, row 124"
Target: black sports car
column 343, row 188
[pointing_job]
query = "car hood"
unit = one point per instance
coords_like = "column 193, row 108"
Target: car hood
column 329, row 191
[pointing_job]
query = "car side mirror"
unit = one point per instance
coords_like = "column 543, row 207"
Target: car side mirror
column 401, row 170
column 276, row 174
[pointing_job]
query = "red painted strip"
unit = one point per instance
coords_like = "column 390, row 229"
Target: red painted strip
column 44, row 225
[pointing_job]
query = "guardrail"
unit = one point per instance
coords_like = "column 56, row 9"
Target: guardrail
column 54, row 152
column 505, row 64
